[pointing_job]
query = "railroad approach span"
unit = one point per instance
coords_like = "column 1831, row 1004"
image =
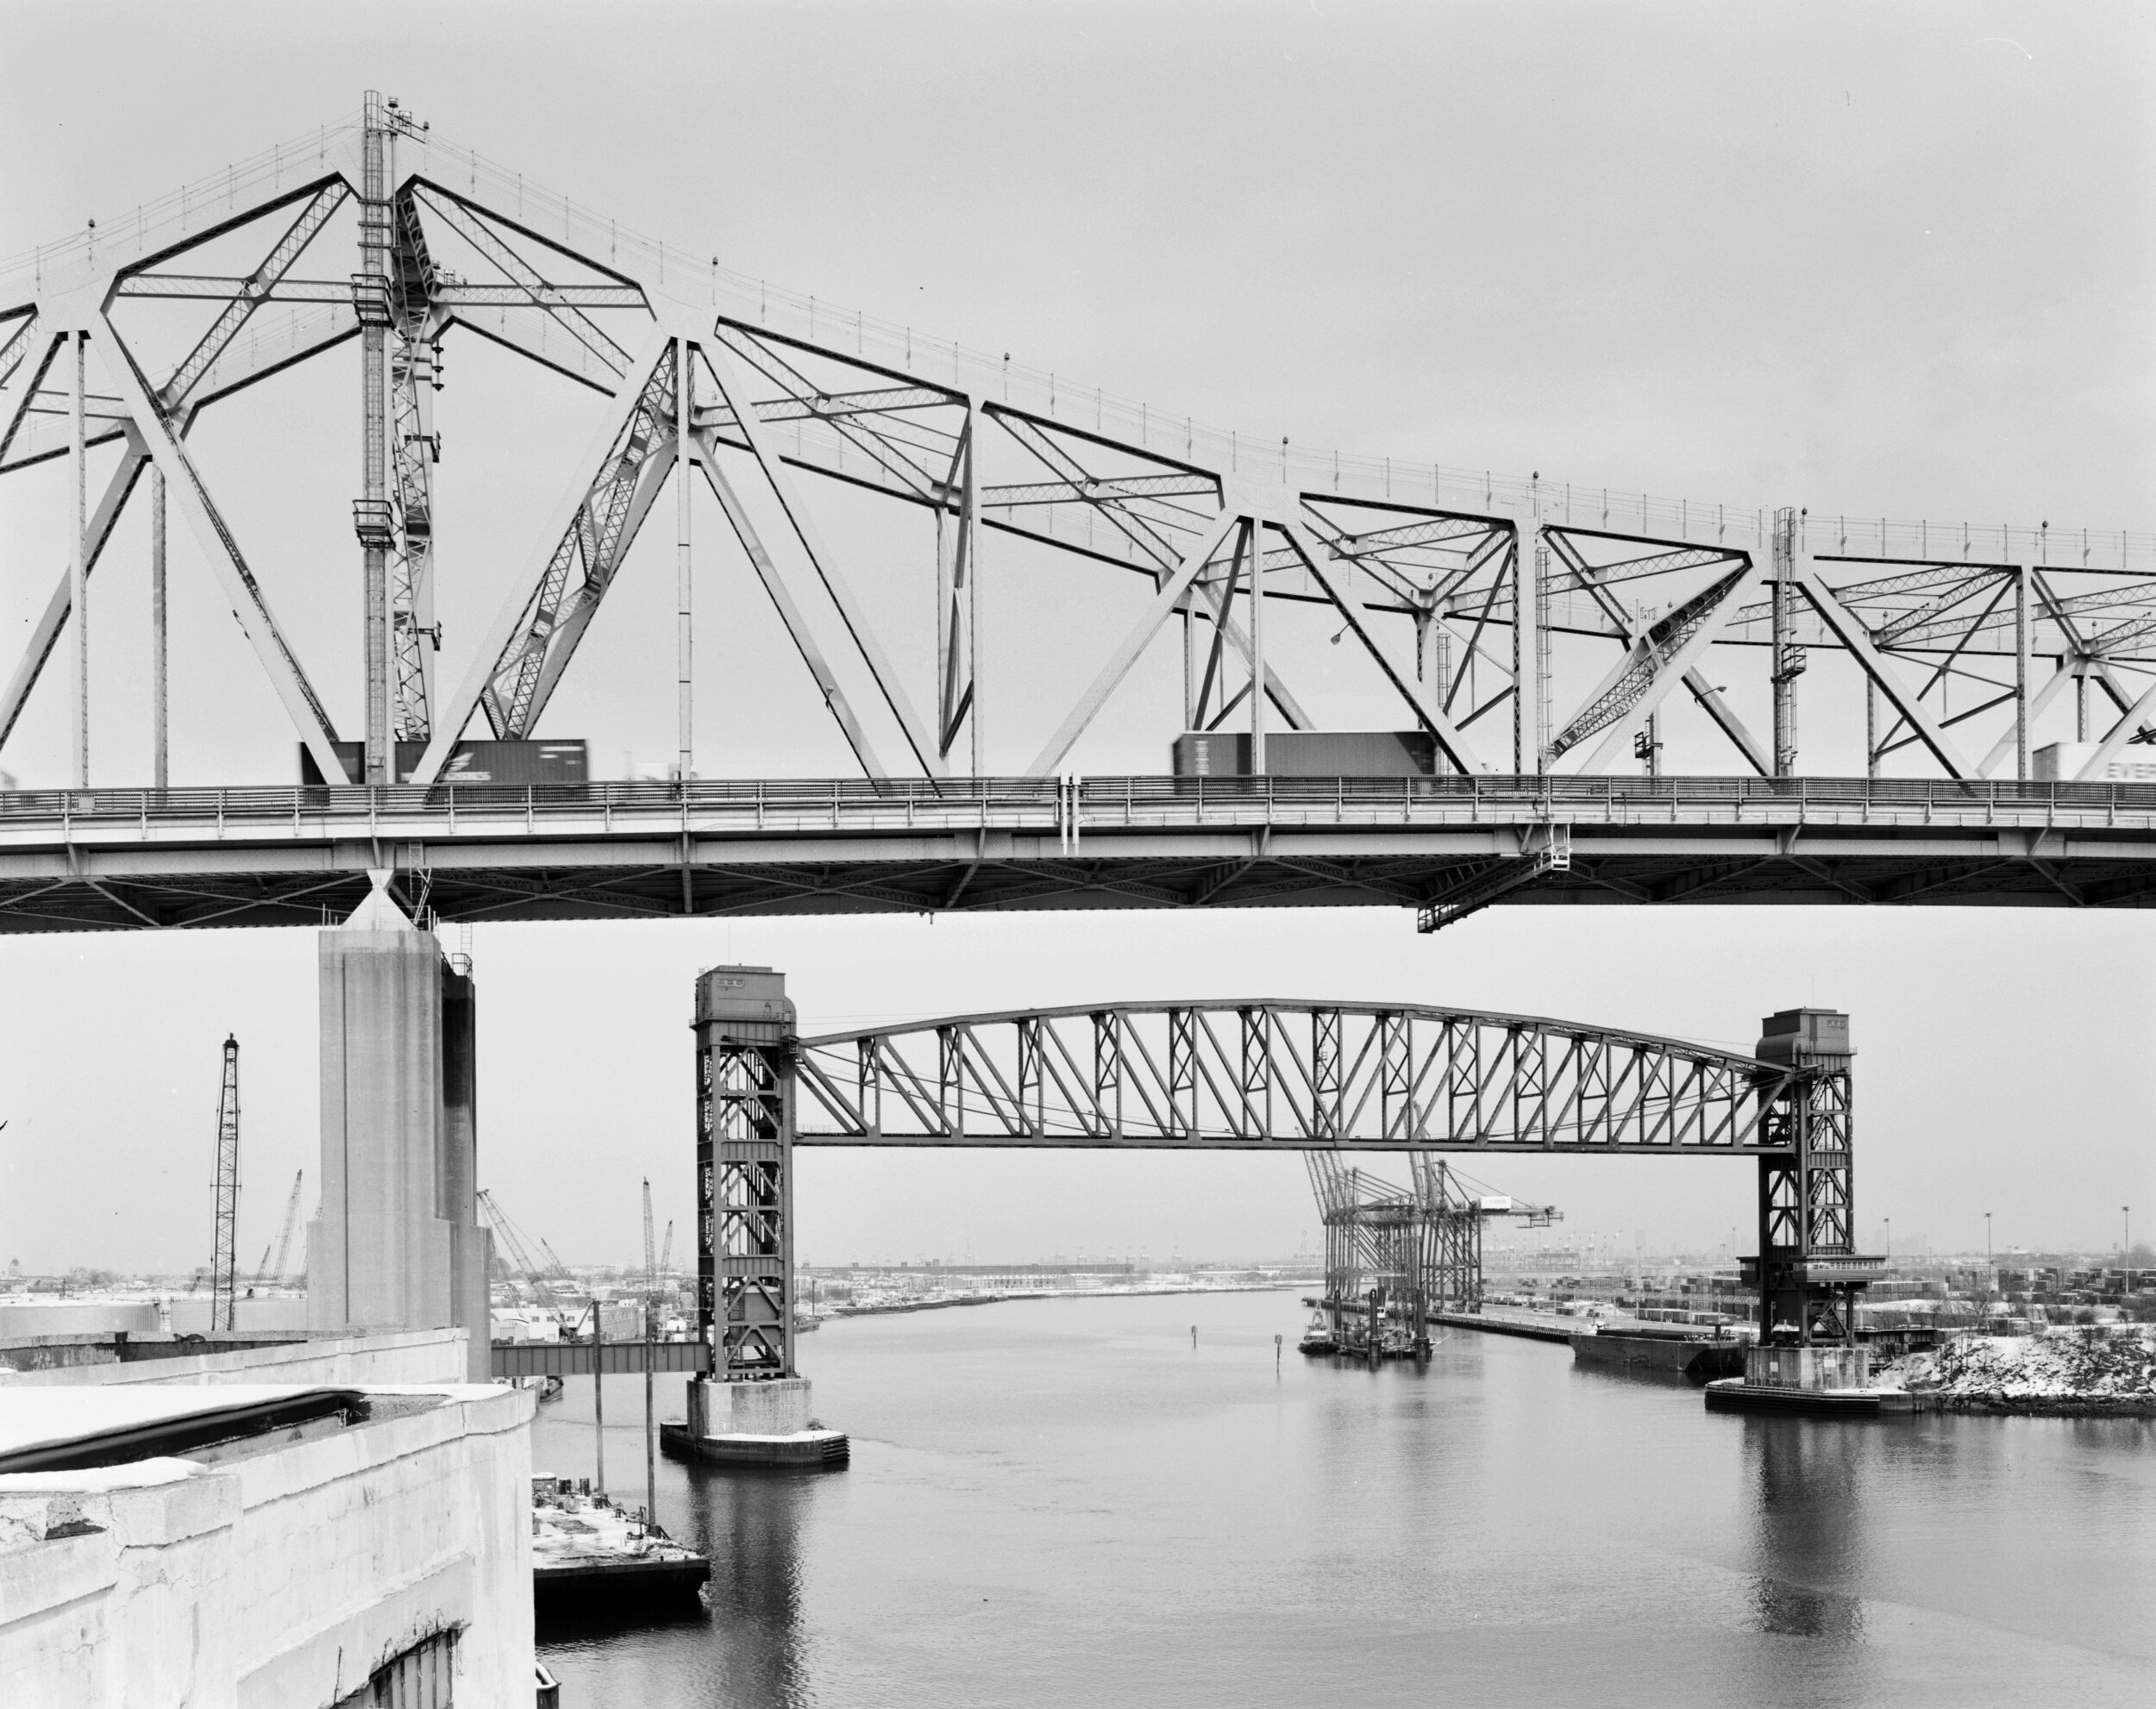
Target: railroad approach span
column 1256, row 1074
column 119, row 859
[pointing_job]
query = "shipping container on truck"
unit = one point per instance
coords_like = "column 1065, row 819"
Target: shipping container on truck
column 1308, row 754
column 517, row 763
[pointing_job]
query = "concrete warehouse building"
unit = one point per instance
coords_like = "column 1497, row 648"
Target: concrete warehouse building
column 333, row 1515
column 248, row 1530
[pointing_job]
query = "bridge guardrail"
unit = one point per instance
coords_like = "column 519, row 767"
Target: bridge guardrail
column 1072, row 807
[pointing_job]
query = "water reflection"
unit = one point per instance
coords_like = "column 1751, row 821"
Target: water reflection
column 1806, row 1484
column 749, row 1523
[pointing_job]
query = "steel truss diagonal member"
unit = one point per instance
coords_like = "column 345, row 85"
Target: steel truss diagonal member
column 1630, row 629
column 774, row 584
column 1851, row 632
column 249, row 606
column 46, row 635
column 254, row 290
column 733, row 392
column 1119, row 664
column 582, row 530
column 1665, row 654
column 1350, row 605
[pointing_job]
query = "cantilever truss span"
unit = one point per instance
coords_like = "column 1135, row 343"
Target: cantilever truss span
column 1257, row 1074
column 1533, row 628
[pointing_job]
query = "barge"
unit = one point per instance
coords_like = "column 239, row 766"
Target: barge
column 1666, row 1348
column 586, row 1551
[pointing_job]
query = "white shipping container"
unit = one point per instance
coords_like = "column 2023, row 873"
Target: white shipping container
column 2062, row 762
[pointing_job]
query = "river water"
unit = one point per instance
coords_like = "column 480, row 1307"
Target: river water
column 1067, row 1502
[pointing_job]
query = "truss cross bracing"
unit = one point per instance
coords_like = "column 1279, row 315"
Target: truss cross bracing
column 1530, row 636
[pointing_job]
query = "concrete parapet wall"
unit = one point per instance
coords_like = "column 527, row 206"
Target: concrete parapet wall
column 281, row 1577
column 342, row 1361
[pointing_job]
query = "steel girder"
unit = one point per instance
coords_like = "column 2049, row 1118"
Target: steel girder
column 96, row 859
column 1277, row 1075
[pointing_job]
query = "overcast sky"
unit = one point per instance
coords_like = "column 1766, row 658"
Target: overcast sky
column 1868, row 260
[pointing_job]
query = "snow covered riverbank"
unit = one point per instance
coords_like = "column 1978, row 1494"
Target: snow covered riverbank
column 2062, row 1372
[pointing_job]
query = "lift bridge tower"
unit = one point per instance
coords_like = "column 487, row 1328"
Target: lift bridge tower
column 1809, row 1270
column 753, row 1406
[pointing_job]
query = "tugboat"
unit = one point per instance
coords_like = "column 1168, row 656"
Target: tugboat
column 586, row 1551
column 1318, row 1337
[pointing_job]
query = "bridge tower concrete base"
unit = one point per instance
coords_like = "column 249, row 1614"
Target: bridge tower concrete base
column 396, row 1244
column 753, row 1409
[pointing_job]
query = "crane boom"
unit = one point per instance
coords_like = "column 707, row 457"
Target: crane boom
column 270, row 1272
column 665, row 1249
column 512, row 1239
column 651, row 1262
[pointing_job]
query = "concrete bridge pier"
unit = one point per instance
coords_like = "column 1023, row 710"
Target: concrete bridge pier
column 396, row 1244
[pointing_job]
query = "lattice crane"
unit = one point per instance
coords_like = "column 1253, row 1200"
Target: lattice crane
column 223, row 1259
column 529, row 1268
column 283, row 1245
column 651, row 1262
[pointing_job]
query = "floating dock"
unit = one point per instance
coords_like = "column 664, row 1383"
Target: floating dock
column 1733, row 1394
column 586, row 1552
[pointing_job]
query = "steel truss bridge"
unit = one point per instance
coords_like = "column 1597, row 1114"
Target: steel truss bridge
column 1535, row 638
column 1256, row 1074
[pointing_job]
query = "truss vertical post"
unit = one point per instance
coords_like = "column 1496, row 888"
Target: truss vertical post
column 1326, row 1114
column 685, row 638
column 1182, row 1070
column 1255, row 1090
column 1530, row 645
column 160, row 771
column 2021, row 673
column 745, row 1093
column 1396, row 1076
column 1031, row 1094
column 77, row 557
column 1253, row 542
column 1788, row 656
column 371, row 515
column 1433, row 656
column 224, row 1257
column 1808, row 1262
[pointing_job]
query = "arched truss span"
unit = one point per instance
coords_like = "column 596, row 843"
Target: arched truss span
column 1263, row 1074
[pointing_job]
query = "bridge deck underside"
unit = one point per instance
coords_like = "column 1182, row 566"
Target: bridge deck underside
column 131, row 859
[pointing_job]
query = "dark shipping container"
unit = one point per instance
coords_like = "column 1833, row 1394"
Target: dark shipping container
column 1308, row 754
column 509, row 762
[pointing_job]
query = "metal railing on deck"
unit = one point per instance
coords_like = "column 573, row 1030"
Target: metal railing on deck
column 1070, row 807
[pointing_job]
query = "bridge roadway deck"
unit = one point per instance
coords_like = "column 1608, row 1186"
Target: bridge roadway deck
column 118, row 859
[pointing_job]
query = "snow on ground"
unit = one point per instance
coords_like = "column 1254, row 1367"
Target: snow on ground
column 2063, row 1364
